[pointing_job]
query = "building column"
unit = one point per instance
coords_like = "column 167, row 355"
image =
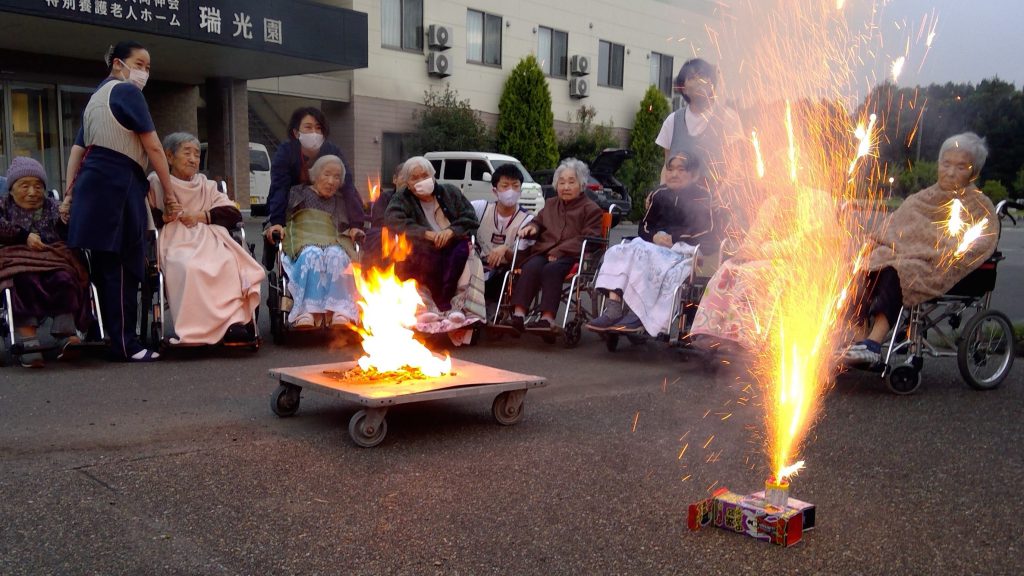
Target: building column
column 227, row 134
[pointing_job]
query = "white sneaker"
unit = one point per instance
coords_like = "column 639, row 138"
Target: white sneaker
column 456, row 316
column 304, row 321
column 860, row 355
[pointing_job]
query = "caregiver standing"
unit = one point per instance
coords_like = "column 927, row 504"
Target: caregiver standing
column 105, row 202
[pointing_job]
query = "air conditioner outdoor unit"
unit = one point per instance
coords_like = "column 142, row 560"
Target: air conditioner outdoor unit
column 437, row 64
column 579, row 65
column 579, row 88
column 439, row 37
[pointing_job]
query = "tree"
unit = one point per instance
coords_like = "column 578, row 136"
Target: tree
column 447, row 123
column 585, row 141
column 918, row 177
column 526, row 124
column 1018, row 183
column 641, row 173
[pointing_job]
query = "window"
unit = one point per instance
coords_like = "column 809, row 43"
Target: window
column 454, row 169
column 483, row 38
column 401, row 24
column 610, row 61
column 661, row 72
column 477, row 170
column 553, row 52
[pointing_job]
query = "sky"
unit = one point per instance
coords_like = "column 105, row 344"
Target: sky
column 974, row 40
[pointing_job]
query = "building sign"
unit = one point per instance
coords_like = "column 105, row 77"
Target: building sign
column 289, row 27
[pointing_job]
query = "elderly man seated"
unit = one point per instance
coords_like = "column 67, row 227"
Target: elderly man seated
column 644, row 273
column 438, row 221
column 206, row 308
column 45, row 277
column 921, row 253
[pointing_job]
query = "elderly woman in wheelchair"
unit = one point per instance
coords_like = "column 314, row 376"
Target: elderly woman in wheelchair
column 40, row 276
column 439, row 223
column 932, row 241
column 642, row 278
column 318, row 248
column 211, row 282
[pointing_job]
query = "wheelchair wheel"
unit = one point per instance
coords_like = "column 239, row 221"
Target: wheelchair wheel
column 611, row 342
column 904, row 380
column 573, row 333
column 985, row 350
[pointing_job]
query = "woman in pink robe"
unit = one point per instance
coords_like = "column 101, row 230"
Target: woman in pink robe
column 212, row 283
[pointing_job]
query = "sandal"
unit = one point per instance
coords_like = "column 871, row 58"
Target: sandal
column 31, row 357
column 144, row 355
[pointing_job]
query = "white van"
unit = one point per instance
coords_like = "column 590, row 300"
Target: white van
column 471, row 172
column 259, row 175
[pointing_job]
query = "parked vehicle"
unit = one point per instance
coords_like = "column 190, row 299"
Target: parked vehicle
column 602, row 186
column 259, row 175
column 471, row 172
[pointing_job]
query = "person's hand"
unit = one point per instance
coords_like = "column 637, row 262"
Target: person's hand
column 552, row 257
column 191, row 219
column 442, row 238
column 269, row 232
column 662, row 239
column 34, row 242
column 527, row 231
column 64, row 210
column 356, row 234
column 172, row 210
column 497, row 256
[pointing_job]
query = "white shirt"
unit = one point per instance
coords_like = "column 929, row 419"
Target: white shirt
column 696, row 124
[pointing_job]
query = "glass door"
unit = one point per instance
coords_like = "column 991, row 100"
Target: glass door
column 33, row 125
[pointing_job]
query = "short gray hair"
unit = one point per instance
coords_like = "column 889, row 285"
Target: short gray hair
column 322, row 162
column 578, row 166
column 173, row 142
column 972, row 144
column 415, row 162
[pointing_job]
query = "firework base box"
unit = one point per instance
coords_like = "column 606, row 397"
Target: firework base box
column 753, row 516
column 368, row 426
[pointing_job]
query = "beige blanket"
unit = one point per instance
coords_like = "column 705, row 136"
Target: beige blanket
column 917, row 243
column 211, row 282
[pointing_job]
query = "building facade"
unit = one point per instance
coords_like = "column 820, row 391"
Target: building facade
column 232, row 71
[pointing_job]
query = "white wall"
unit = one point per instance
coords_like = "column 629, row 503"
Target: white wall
column 642, row 26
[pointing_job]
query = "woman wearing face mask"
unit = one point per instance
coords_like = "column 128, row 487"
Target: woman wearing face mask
column 499, row 222
column 307, row 142
column 105, row 201
column 438, row 220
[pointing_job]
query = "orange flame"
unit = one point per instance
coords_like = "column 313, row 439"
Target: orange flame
column 388, row 308
column 395, row 248
column 374, row 188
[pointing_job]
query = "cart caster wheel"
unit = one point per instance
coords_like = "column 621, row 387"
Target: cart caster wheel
column 904, row 380
column 573, row 333
column 611, row 342
column 285, row 400
column 366, row 436
column 508, row 407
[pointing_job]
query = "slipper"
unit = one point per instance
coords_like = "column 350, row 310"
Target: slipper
column 68, row 350
column 143, row 355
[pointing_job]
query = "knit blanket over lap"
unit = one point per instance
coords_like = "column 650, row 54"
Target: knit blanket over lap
column 54, row 257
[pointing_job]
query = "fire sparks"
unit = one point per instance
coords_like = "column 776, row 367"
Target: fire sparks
column 864, row 141
column 961, row 231
column 955, row 223
column 972, row 234
column 897, row 68
column 757, row 154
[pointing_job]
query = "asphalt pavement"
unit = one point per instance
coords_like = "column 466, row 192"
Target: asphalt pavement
column 181, row 468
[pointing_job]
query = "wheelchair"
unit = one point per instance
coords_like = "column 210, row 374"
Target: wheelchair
column 95, row 336
column 153, row 330
column 578, row 282
column 983, row 344
column 279, row 302
column 685, row 298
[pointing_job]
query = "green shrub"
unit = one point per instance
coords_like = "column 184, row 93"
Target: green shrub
column 585, row 141
column 995, row 191
column 447, row 123
column 641, row 174
column 526, row 124
column 918, row 177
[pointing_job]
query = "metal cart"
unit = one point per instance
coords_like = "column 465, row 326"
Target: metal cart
column 368, row 426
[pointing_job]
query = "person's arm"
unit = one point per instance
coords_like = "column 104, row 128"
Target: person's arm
column 158, row 162
column 399, row 217
column 280, row 185
column 74, row 163
column 591, row 227
column 10, row 235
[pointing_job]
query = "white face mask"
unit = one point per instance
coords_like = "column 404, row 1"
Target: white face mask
column 311, row 140
column 137, row 77
column 424, row 188
column 509, row 198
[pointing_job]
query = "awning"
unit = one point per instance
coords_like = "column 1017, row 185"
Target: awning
column 191, row 40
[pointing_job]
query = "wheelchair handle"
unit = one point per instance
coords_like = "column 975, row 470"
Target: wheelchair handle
column 1003, row 209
